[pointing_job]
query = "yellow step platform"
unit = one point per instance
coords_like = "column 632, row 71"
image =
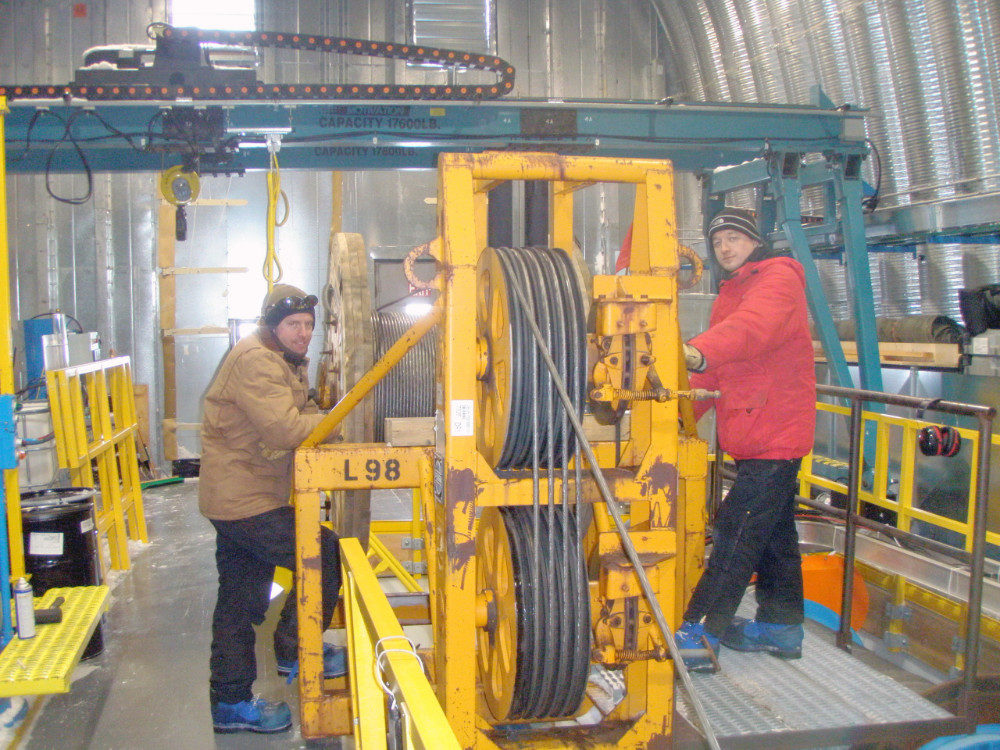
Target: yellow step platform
column 44, row 664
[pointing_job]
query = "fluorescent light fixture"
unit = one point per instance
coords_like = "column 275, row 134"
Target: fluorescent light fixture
column 226, row 15
column 277, row 130
column 417, row 309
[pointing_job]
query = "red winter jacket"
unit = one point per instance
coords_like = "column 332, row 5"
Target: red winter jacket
column 759, row 354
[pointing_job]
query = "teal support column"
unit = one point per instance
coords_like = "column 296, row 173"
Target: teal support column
column 848, row 190
column 788, row 196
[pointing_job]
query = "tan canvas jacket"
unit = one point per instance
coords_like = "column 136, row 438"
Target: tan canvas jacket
column 256, row 412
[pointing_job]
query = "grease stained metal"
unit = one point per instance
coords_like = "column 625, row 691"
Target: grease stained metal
column 460, row 492
column 662, row 477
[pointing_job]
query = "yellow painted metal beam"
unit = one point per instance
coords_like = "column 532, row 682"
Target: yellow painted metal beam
column 460, row 213
column 308, row 583
column 894, row 432
column 389, row 561
column 384, row 660
column 371, row 378
column 12, row 492
column 100, row 432
column 317, row 469
column 359, row 466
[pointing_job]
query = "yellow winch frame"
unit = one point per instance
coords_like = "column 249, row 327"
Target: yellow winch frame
column 659, row 473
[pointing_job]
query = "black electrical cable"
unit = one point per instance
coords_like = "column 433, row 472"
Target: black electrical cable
column 871, row 202
column 67, row 133
column 52, row 314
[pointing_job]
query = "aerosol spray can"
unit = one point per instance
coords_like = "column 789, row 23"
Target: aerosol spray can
column 24, row 604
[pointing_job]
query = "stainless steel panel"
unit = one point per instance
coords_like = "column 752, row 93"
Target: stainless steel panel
column 941, row 276
column 897, row 291
column 948, row 579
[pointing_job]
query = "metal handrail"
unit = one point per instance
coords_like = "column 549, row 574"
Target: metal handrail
column 383, row 661
column 984, row 415
column 902, row 504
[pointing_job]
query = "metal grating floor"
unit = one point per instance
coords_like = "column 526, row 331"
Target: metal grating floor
column 821, row 700
column 45, row 663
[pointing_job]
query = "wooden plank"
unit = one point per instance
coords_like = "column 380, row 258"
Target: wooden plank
column 410, row 431
column 172, row 425
column 166, row 245
column 186, row 270
column 219, row 202
column 203, row 331
column 605, row 433
column 142, row 410
column 895, row 353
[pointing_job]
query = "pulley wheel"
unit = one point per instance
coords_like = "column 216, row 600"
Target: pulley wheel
column 519, row 408
column 347, row 356
column 498, row 642
column 534, row 655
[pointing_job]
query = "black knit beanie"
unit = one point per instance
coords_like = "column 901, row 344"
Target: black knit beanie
column 735, row 218
column 284, row 300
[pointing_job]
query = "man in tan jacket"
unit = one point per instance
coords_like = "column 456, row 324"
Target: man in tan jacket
column 256, row 412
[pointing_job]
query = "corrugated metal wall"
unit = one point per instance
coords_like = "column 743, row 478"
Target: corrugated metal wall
column 97, row 261
column 94, row 261
column 928, row 69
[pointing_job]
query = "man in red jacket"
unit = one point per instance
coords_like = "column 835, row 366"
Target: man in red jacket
column 758, row 353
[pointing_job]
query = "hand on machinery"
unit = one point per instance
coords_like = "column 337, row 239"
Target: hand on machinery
column 694, row 359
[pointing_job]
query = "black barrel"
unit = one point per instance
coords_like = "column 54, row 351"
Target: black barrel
column 60, row 544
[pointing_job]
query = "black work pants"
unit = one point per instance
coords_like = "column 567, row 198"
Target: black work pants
column 754, row 531
column 246, row 554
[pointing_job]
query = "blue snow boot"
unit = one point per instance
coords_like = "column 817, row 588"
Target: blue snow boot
column 783, row 641
column 698, row 648
column 257, row 715
column 334, row 663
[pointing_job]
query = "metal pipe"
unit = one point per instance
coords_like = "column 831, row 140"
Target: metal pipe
column 626, row 541
column 924, row 544
column 361, row 389
column 976, row 570
column 985, row 415
column 948, row 407
column 847, row 590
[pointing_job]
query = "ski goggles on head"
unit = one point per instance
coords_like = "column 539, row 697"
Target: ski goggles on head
column 295, row 304
column 282, row 308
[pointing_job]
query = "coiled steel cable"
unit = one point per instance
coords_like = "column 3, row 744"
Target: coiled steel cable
column 407, row 390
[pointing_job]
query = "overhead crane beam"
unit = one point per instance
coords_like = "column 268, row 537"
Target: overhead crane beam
column 398, row 135
column 230, row 137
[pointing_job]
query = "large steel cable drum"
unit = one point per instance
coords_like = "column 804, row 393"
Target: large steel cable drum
column 407, row 390
column 347, row 356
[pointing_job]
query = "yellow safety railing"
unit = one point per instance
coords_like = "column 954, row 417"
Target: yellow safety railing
column 337, row 467
column 94, row 421
column 390, row 691
column 899, row 433
column 412, row 530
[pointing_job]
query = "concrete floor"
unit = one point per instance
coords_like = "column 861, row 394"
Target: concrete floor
column 148, row 690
